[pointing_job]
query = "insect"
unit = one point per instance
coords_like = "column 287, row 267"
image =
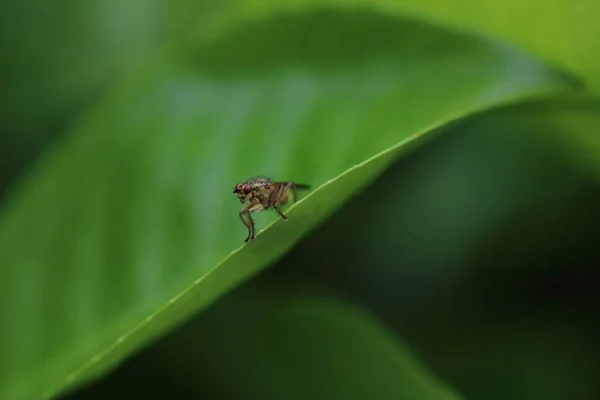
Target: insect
column 263, row 194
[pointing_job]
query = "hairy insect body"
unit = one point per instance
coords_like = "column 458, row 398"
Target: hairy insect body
column 262, row 191
column 262, row 194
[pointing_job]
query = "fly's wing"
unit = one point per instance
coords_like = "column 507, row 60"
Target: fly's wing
column 298, row 185
column 301, row 186
column 280, row 191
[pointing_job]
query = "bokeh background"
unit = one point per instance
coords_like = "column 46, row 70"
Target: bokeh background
column 475, row 252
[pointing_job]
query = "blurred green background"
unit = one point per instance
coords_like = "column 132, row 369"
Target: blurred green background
column 458, row 266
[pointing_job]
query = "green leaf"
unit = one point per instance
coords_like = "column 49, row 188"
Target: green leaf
column 129, row 226
column 568, row 126
column 57, row 56
column 266, row 342
column 559, row 32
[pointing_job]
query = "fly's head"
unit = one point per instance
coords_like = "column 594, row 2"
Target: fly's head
column 243, row 191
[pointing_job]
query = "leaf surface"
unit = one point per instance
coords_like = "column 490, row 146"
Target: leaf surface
column 274, row 342
column 558, row 32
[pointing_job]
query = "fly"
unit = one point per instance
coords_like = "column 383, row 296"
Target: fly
column 263, row 194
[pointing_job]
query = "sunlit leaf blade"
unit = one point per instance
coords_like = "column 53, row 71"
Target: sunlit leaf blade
column 276, row 342
column 127, row 227
column 558, row 32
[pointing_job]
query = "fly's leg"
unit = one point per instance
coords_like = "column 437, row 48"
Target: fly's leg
column 251, row 228
column 249, row 224
column 294, row 192
column 275, row 195
column 280, row 213
column 280, row 196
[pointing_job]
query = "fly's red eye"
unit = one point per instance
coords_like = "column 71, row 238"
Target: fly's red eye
column 247, row 188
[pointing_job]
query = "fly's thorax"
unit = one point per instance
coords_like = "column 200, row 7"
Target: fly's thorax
column 259, row 182
column 262, row 194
